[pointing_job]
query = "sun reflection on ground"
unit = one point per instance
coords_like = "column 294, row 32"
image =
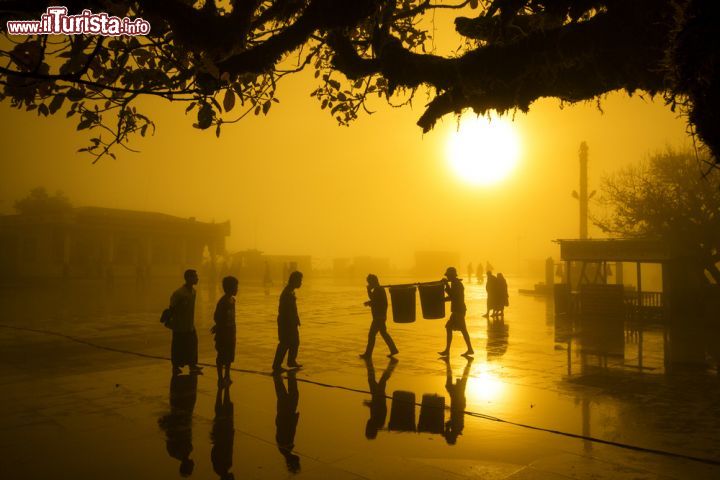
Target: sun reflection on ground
column 485, row 385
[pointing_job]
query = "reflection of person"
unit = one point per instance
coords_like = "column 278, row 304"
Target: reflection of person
column 497, row 337
column 288, row 322
column 223, row 434
column 378, row 401
column 224, row 329
column 503, row 298
column 287, row 419
column 177, row 425
column 378, row 304
column 456, row 296
column 454, row 426
column 184, row 350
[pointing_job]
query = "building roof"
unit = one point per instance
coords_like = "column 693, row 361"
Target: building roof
column 100, row 217
column 650, row 250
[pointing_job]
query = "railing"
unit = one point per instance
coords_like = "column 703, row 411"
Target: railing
column 644, row 299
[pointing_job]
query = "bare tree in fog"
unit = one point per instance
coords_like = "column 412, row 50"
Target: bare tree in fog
column 225, row 59
column 667, row 197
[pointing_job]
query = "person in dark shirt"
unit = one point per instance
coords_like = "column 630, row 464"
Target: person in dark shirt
column 378, row 304
column 456, row 296
column 224, row 330
column 288, row 325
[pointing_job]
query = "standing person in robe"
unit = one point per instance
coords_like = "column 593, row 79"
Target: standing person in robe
column 456, row 296
column 503, row 297
column 224, row 330
column 378, row 304
column 491, row 286
column 288, row 325
column 184, row 349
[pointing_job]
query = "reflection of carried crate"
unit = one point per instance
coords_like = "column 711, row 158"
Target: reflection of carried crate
column 402, row 412
column 432, row 414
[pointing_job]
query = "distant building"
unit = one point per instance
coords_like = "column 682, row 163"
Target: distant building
column 433, row 264
column 360, row 267
column 254, row 266
column 94, row 242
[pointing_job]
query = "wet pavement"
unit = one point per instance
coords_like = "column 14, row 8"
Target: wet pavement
column 87, row 393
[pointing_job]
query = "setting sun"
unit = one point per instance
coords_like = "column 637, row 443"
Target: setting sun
column 483, row 151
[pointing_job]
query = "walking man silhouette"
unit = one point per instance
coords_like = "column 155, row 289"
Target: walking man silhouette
column 378, row 304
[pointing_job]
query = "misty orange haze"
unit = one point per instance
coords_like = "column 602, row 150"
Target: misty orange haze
column 295, row 182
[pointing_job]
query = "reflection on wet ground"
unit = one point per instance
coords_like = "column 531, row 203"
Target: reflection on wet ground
column 87, row 393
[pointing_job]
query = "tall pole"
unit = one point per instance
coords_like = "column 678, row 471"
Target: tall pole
column 583, row 197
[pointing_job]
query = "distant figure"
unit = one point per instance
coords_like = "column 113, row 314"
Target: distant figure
column 378, row 401
column 286, row 420
column 491, row 287
column 456, row 296
column 177, row 424
column 479, row 274
column 456, row 424
column 224, row 330
column 470, row 271
column 378, row 304
column 503, row 298
column 184, row 350
column 488, row 268
column 288, row 322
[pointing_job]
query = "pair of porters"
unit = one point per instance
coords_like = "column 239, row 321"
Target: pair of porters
column 433, row 296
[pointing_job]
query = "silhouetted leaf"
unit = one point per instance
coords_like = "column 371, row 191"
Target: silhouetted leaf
column 57, row 102
column 229, row 100
column 205, row 116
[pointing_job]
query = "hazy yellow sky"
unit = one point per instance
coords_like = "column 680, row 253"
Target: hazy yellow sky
column 294, row 182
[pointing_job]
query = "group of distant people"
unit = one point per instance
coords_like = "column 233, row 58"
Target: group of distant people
column 184, row 348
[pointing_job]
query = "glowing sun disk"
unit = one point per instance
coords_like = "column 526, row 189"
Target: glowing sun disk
column 483, row 151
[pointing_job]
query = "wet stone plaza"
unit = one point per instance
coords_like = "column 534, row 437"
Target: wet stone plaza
column 87, row 392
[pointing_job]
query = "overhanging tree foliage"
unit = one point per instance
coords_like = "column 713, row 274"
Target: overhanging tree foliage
column 225, row 58
column 667, row 197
